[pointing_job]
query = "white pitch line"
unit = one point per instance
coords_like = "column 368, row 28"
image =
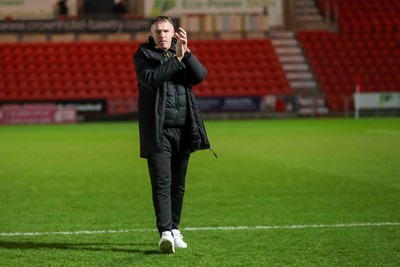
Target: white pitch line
column 301, row 226
column 82, row 232
column 383, row 132
column 224, row 228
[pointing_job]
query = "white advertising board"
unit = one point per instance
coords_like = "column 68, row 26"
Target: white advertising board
column 383, row 100
column 27, row 9
column 184, row 7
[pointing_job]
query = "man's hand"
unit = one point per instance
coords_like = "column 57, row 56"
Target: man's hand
column 181, row 45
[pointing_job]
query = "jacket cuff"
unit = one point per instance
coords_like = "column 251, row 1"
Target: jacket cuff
column 180, row 63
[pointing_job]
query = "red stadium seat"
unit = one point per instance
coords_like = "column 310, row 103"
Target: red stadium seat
column 365, row 57
column 104, row 70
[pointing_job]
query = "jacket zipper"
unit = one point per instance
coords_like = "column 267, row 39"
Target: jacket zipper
column 176, row 96
column 177, row 107
column 176, row 104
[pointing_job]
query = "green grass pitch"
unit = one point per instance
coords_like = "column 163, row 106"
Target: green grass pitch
column 326, row 192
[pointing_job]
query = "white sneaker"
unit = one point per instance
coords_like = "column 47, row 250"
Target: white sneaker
column 166, row 243
column 178, row 239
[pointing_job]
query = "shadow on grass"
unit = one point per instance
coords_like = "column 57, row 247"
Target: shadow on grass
column 125, row 248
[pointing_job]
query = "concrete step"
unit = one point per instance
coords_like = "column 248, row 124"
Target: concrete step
column 303, row 84
column 288, row 50
column 282, row 35
column 311, row 101
column 292, row 59
column 313, row 111
column 308, row 10
column 295, row 67
column 309, row 18
column 299, row 76
column 303, row 3
column 285, row 42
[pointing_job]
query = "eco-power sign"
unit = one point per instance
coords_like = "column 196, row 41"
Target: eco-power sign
column 274, row 8
column 32, row 8
column 384, row 100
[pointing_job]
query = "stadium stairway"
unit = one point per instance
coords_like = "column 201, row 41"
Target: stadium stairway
column 308, row 15
column 309, row 99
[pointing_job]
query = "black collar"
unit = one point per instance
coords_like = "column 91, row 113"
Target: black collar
column 171, row 49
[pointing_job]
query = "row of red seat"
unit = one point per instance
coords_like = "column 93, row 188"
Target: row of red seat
column 363, row 15
column 232, row 47
column 70, row 48
column 364, row 53
column 101, row 70
column 240, row 67
column 341, row 63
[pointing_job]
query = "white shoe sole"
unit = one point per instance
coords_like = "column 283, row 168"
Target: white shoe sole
column 167, row 247
column 180, row 245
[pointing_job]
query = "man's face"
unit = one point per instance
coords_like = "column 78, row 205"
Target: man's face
column 162, row 33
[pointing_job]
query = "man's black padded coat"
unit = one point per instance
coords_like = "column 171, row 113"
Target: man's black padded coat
column 156, row 70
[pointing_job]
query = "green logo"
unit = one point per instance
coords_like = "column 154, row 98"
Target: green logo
column 161, row 6
column 384, row 98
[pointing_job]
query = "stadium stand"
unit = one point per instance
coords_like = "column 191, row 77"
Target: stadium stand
column 363, row 53
column 342, row 62
column 55, row 71
column 34, row 72
column 240, row 68
column 364, row 15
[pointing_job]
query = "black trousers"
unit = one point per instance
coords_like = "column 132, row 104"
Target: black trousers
column 167, row 171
